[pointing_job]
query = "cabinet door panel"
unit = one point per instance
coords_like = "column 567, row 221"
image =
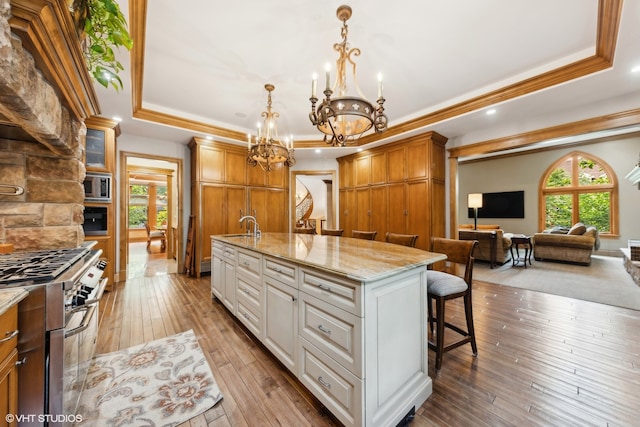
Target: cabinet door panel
column 276, row 211
column 212, row 223
column 346, row 173
column 281, row 321
column 363, row 211
column 396, row 165
column 347, row 211
column 378, row 168
column 419, row 208
column 417, row 161
column 236, row 201
column 379, row 206
column 363, row 170
column 236, row 167
column 211, row 164
column 397, row 211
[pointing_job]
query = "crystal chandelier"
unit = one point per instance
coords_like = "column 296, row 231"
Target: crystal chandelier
column 346, row 117
column 268, row 149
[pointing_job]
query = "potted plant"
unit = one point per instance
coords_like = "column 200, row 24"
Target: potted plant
column 102, row 28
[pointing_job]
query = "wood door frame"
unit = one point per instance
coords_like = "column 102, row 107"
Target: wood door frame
column 123, row 235
column 294, row 177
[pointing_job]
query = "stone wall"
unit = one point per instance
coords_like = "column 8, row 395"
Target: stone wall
column 49, row 213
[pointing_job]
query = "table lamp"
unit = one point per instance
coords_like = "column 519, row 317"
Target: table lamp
column 474, row 200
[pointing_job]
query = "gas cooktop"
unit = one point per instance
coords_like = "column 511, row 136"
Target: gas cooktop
column 38, row 266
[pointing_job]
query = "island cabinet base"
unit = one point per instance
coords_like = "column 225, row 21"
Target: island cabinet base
column 358, row 344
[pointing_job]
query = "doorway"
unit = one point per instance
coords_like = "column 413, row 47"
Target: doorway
column 150, row 194
column 319, row 187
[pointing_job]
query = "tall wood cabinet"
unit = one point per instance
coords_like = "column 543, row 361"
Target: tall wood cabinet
column 399, row 187
column 100, row 157
column 224, row 188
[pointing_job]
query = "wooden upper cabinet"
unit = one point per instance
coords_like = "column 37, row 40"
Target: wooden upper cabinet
column 396, row 164
column 211, row 164
column 278, row 176
column 378, row 174
column 438, row 161
column 345, row 173
column 418, row 160
column 100, row 144
column 363, row 169
column 236, row 167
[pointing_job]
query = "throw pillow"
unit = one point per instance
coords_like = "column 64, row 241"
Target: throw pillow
column 578, row 229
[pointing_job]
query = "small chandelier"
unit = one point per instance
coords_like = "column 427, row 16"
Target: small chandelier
column 345, row 118
column 268, row 149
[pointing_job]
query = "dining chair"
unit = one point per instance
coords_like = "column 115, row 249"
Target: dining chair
column 155, row 235
column 366, row 235
column 443, row 286
column 331, row 232
column 401, row 239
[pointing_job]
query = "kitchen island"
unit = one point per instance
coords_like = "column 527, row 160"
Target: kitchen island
column 347, row 317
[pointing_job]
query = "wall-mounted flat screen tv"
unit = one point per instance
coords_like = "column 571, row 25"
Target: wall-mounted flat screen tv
column 507, row 204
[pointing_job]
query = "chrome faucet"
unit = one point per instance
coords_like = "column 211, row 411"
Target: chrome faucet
column 256, row 227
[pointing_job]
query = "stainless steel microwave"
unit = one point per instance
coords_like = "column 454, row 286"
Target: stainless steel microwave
column 97, row 187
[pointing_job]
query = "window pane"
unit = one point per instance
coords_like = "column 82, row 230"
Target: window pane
column 595, row 210
column 561, row 176
column 161, row 217
column 558, row 210
column 137, row 216
column 591, row 173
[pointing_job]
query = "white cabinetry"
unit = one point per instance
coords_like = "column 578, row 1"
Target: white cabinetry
column 359, row 346
column 223, row 275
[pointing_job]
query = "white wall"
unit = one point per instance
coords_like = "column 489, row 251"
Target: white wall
column 524, row 172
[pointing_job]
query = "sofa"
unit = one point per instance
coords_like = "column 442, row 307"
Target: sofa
column 574, row 245
column 493, row 243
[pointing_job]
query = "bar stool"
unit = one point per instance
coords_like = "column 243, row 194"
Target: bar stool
column 301, row 230
column 443, row 287
column 366, row 235
column 331, row 232
column 401, row 239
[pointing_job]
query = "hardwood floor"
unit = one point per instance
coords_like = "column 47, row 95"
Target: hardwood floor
column 543, row 360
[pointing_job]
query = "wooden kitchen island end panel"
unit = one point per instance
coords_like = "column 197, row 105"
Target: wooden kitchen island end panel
column 346, row 316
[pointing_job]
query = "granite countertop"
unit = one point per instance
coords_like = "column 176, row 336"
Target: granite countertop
column 357, row 259
column 11, row 296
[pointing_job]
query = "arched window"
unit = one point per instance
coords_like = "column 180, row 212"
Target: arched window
column 579, row 188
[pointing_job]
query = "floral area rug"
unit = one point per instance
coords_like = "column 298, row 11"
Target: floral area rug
column 160, row 383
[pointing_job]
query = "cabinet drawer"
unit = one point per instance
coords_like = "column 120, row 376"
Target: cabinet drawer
column 217, row 248
column 333, row 330
column 338, row 389
column 8, row 331
column 229, row 252
column 252, row 321
column 335, row 290
column 281, row 270
column 249, row 263
column 250, row 293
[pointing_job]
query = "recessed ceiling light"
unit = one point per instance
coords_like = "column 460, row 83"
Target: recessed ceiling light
column 318, row 150
column 636, row 69
column 209, row 138
column 117, row 119
column 491, row 111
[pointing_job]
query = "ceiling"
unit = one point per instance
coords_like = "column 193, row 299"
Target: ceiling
column 200, row 69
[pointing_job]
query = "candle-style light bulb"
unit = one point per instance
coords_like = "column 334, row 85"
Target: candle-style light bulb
column 327, row 69
column 314, row 81
column 379, row 85
column 248, row 141
column 259, row 132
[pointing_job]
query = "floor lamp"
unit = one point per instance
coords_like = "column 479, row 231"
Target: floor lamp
column 474, row 200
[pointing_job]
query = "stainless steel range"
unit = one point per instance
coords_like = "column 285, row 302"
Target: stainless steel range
column 58, row 327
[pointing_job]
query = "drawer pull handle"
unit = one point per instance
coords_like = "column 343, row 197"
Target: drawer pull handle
column 9, row 336
column 277, row 270
column 246, row 263
column 246, row 316
column 325, row 288
column 325, row 330
column 324, row 383
column 246, row 291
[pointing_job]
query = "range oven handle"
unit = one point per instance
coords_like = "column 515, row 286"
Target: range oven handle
column 86, row 319
column 101, row 287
